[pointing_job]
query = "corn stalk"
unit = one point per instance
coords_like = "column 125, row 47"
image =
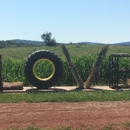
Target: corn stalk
column 72, row 67
column 95, row 67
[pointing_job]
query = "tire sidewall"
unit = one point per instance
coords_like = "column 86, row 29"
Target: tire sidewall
column 29, row 69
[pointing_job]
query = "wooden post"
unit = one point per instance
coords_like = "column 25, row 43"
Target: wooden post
column 95, row 67
column 1, row 82
column 77, row 78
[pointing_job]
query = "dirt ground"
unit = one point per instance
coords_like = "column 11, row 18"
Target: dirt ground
column 92, row 115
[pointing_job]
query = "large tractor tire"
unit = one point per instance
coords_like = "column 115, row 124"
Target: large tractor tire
column 43, row 69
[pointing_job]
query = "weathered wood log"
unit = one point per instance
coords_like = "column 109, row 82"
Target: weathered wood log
column 12, row 85
column 77, row 77
column 95, row 67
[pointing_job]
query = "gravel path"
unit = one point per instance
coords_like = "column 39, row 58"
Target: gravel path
column 94, row 115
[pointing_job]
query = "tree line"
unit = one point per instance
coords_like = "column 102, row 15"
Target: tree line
column 46, row 37
column 48, row 40
column 13, row 44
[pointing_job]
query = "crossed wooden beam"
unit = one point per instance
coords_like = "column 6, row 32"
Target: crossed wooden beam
column 94, row 69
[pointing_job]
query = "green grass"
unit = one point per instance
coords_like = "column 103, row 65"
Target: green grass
column 74, row 50
column 77, row 96
column 24, row 52
column 124, row 126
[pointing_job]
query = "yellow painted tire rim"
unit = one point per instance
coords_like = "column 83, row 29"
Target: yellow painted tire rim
column 50, row 75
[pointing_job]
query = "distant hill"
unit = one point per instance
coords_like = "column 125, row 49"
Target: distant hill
column 41, row 43
column 122, row 44
column 91, row 43
column 116, row 44
column 38, row 43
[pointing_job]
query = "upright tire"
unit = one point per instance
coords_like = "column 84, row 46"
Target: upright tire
column 43, row 69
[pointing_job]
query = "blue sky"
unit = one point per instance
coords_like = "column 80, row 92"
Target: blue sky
column 104, row 21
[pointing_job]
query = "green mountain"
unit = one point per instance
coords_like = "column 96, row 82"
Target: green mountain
column 123, row 44
column 37, row 43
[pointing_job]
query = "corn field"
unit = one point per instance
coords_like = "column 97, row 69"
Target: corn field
column 13, row 70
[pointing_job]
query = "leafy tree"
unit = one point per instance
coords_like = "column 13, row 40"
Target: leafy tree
column 11, row 43
column 48, row 40
column 2, row 44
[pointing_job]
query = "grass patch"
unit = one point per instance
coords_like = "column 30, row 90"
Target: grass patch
column 124, row 126
column 77, row 96
column 36, row 128
column 28, row 128
column 24, row 52
column 108, row 127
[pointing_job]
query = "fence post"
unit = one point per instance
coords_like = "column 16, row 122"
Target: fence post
column 1, row 82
